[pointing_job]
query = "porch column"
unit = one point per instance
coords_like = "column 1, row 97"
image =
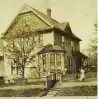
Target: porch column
column 55, row 64
column 56, row 67
column 49, row 62
column 41, row 65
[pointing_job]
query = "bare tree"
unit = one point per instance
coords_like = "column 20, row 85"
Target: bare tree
column 21, row 43
column 92, row 48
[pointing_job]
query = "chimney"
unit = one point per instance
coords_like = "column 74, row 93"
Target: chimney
column 49, row 12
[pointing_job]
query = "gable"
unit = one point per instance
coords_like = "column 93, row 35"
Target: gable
column 28, row 20
column 68, row 29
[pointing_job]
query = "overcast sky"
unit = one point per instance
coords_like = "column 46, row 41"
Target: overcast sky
column 80, row 14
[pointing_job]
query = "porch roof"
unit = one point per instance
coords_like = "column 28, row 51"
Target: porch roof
column 84, row 56
column 51, row 48
column 79, row 54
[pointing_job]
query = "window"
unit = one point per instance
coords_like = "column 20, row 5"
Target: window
column 72, row 45
column 62, row 38
column 13, row 70
column 44, row 62
column 38, row 38
column 44, row 59
column 52, row 61
column 16, row 70
column 70, row 64
column 63, row 42
column 58, row 59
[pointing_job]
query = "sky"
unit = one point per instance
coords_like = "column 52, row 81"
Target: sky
column 81, row 14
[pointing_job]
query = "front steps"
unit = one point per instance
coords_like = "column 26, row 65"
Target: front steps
column 54, row 90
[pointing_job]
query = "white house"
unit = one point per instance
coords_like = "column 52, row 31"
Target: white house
column 59, row 46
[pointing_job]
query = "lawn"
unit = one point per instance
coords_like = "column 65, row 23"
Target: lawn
column 22, row 92
column 78, row 91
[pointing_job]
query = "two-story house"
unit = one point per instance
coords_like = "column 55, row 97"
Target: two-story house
column 58, row 44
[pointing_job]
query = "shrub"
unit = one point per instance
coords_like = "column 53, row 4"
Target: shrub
column 21, row 92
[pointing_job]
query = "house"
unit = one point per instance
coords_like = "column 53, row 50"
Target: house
column 1, row 65
column 1, row 58
column 59, row 46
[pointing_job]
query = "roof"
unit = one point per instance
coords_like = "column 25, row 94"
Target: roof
column 48, row 20
column 79, row 54
column 51, row 48
column 84, row 56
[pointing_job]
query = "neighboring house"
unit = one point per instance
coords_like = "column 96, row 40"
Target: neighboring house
column 59, row 46
column 1, row 65
column 1, row 58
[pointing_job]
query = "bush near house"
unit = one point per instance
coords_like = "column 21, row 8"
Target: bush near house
column 23, row 92
column 78, row 91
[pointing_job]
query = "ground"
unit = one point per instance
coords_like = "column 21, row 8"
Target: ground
column 73, row 87
column 70, row 87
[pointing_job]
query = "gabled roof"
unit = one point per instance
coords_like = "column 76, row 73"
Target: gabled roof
column 63, row 25
column 48, row 20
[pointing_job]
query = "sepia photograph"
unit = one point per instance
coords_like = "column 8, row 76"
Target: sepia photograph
column 48, row 48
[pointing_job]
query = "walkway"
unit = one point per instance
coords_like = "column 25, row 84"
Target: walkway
column 54, row 90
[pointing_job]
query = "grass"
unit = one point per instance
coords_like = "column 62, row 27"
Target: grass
column 22, row 92
column 78, row 91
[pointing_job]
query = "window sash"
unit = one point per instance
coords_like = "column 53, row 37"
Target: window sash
column 58, row 57
column 63, row 39
column 52, row 64
column 52, row 58
column 58, row 60
column 38, row 38
column 52, row 61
